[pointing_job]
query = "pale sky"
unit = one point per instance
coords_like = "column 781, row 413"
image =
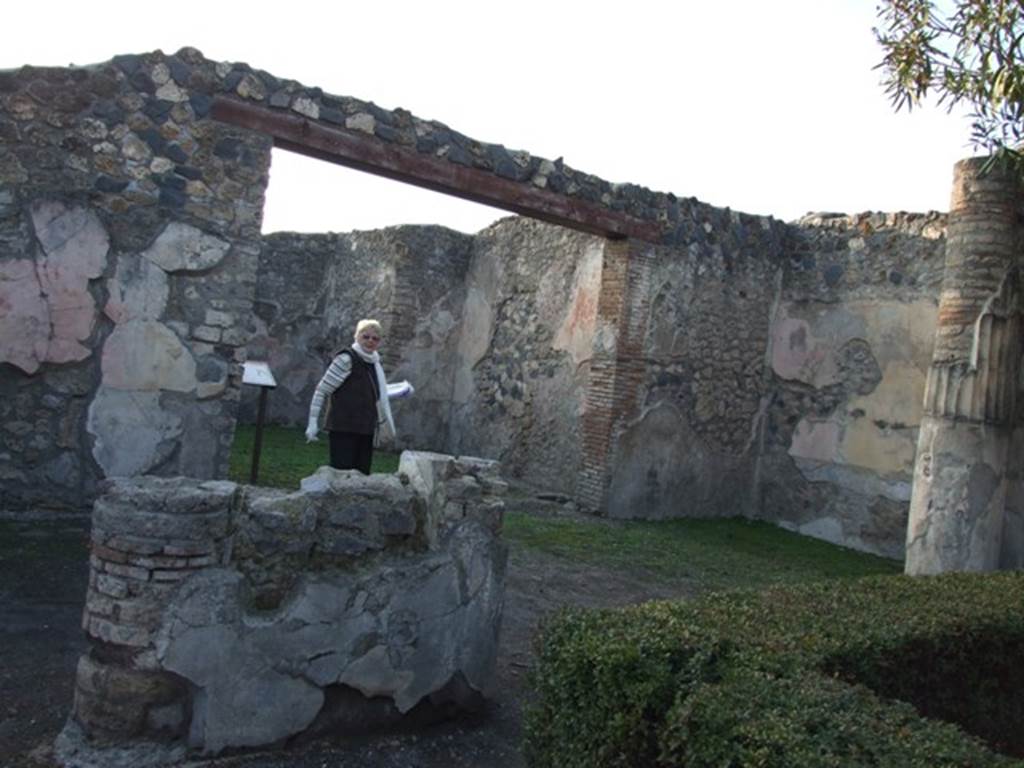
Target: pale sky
column 764, row 107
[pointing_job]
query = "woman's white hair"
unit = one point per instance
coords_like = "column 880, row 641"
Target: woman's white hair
column 368, row 324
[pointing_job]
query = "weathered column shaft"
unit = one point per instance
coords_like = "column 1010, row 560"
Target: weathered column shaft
column 960, row 475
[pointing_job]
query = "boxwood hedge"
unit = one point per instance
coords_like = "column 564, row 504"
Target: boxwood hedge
column 884, row 671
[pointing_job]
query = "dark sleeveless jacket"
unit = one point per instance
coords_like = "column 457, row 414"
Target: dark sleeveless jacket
column 354, row 404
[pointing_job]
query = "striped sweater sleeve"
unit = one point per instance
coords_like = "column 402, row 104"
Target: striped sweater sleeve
column 337, row 372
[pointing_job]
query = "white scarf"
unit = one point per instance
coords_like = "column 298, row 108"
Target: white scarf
column 383, row 404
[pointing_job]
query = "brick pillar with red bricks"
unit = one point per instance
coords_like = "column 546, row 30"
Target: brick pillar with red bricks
column 146, row 538
column 613, row 395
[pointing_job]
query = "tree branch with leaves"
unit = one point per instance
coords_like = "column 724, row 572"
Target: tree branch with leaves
column 964, row 52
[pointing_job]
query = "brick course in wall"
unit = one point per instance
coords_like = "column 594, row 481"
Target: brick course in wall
column 617, row 370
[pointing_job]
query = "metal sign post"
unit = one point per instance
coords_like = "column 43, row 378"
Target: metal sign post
column 258, row 373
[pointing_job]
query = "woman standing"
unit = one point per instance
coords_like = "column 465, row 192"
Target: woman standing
column 357, row 396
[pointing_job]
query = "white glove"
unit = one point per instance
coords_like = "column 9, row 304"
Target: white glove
column 311, row 431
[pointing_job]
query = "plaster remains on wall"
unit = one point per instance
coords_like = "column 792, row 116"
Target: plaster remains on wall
column 47, row 309
column 752, row 353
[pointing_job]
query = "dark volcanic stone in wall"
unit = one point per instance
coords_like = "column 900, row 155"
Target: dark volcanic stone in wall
column 836, row 257
column 117, row 154
column 668, row 219
column 691, row 447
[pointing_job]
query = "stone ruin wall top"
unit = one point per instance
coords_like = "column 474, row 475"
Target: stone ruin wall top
column 221, row 89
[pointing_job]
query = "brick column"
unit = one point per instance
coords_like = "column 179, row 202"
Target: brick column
column 148, row 535
column 960, row 475
column 617, row 364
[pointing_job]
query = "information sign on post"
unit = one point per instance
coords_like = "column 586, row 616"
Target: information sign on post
column 258, row 374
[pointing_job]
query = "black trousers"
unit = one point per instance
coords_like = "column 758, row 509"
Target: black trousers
column 351, row 451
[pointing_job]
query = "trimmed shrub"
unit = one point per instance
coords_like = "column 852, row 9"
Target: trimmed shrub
column 827, row 674
column 753, row 719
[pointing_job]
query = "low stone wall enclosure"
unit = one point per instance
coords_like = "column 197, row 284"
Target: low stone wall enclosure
column 648, row 355
column 221, row 616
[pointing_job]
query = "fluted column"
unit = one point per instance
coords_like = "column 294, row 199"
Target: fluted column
column 960, row 475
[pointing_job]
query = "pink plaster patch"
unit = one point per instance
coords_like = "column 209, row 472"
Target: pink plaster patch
column 24, row 316
column 576, row 332
column 138, row 291
column 46, row 310
column 789, row 347
column 146, row 355
column 798, row 355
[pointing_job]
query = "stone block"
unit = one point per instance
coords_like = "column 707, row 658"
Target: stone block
column 171, row 509
column 111, row 585
column 207, row 333
column 463, row 489
column 478, row 467
column 160, row 561
column 425, row 470
column 99, row 604
column 399, row 521
column 127, row 571
column 342, row 545
column 133, row 433
column 138, row 291
column 147, row 356
column 112, row 701
column 118, row 634
column 355, row 513
column 109, row 555
column 490, row 513
column 184, row 248
column 188, row 548
column 135, row 545
column 144, row 611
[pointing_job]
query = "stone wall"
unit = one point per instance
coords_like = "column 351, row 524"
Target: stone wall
column 130, row 207
column 693, row 361
column 772, row 371
column 494, row 331
column 780, row 369
column 851, row 340
column 129, row 237
column 689, row 443
column 223, row 617
column 524, row 350
column 312, row 291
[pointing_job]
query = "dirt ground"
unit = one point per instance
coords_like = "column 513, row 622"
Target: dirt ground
column 43, row 574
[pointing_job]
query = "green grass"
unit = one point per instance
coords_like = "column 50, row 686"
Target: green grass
column 718, row 554
column 286, row 457
column 715, row 554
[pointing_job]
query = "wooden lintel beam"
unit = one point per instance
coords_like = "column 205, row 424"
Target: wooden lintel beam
column 401, row 163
